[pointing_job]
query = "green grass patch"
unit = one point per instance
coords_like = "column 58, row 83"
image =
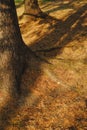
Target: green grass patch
column 17, row 1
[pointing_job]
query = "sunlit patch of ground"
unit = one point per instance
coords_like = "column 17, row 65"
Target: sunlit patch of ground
column 54, row 94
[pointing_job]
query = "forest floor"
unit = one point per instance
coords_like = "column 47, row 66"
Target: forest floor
column 54, row 86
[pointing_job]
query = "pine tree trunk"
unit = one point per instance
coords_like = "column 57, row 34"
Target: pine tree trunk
column 11, row 49
column 32, row 8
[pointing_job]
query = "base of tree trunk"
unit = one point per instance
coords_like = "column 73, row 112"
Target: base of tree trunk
column 39, row 15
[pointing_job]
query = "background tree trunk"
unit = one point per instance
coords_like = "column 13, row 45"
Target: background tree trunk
column 11, row 49
column 32, row 8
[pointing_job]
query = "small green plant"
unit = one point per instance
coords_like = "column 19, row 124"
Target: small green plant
column 17, row 1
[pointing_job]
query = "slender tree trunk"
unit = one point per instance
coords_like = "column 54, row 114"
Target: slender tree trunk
column 11, row 49
column 32, row 8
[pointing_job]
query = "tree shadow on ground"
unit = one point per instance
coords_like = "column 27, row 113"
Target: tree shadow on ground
column 61, row 5
column 63, row 32
column 52, row 45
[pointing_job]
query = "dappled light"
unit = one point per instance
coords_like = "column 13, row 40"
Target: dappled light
column 54, row 82
column 57, row 34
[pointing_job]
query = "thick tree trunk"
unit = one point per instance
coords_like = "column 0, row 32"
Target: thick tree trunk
column 11, row 49
column 32, row 8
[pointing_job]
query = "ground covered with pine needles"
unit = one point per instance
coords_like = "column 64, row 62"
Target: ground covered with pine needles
column 54, row 86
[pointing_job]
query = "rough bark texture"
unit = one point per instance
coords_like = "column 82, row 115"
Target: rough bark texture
column 32, row 8
column 11, row 49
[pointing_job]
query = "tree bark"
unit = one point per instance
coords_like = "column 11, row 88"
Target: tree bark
column 11, row 49
column 32, row 8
